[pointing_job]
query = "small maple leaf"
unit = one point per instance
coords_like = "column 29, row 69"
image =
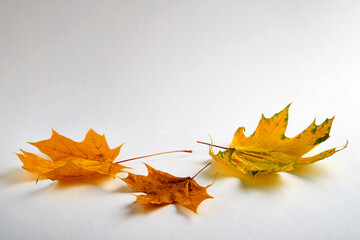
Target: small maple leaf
column 269, row 150
column 72, row 159
column 164, row 188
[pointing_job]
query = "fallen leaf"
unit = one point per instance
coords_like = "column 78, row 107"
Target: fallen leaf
column 269, row 150
column 70, row 159
column 163, row 188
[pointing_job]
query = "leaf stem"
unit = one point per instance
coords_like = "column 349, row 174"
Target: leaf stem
column 186, row 151
column 213, row 145
column 201, row 170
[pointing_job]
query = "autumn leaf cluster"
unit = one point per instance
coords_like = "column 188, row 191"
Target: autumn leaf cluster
column 267, row 150
column 92, row 157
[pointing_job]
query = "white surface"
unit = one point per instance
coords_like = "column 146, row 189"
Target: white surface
column 160, row 75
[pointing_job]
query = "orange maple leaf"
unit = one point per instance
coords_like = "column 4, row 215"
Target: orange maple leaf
column 164, row 188
column 70, row 159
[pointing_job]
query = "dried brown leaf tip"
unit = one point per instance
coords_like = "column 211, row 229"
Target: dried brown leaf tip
column 72, row 160
column 164, row 188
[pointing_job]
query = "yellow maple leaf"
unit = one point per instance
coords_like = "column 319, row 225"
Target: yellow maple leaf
column 269, row 150
column 164, row 188
column 70, row 159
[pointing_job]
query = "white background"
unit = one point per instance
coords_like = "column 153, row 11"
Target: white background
column 160, row 75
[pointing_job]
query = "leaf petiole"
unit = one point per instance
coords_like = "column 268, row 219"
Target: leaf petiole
column 212, row 145
column 201, row 170
column 186, row 151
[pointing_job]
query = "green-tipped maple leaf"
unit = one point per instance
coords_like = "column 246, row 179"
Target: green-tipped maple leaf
column 70, row 159
column 164, row 188
column 269, row 150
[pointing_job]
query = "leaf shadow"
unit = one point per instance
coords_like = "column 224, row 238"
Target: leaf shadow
column 40, row 190
column 42, row 185
column 188, row 214
column 62, row 186
column 94, row 180
column 125, row 189
column 311, row 171
column 138, row 208
column 260, row 181
column 16, row 176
